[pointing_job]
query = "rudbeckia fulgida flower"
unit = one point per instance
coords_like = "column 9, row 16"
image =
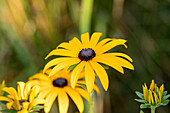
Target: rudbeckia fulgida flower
column 88, row 54
column 153, row 97
column 23, row 99
column 59, row 86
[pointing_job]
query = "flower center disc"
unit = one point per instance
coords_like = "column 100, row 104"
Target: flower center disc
column 86, row 54
column 60, row 82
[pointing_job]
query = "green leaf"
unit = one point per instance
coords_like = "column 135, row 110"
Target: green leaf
column 164, row 93
column 140, row 100
column 72, row 67
column 140, row 95
column 141, row 111
column 33, row 112
column 38, row 107
column 166, row 96
column 144, row 106
column 164, row 103
column 8, row 111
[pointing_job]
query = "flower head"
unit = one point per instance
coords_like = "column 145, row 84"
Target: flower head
column 59, row 86
column 2, row 86
column 153, row 97
column 22, row 100
column 88, row 55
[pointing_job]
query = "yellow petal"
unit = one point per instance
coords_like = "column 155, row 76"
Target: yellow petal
column 145, row 91
column 61, row 52
column 75, row 96
column 44, row 93
column 96, row 89
column 108, row 60
column 101, row 43
column 121, row 55
column 25, row 105
column 76, row 42
column 123, row 62
column 152, row 85
column 39, row 76
column 64, row 65
column 55, row 62
column 161, row 88
column 64, row 45
column 11, row 91
column 2, row 98
column 155, row 98
column 33, row 93
column 9, row 105
column 21, row 86
column 63, row 102
column 85, row 40
column 75, row 73
column 35, row 102
column 23, row 111
column 50, row 99
column 83, row 93
column 16, row 105
column 100, row 71
column 110, row 45
column 89, row 77
column 28, row 87
column 84, row 83
column 94, row 39
column 76, row 45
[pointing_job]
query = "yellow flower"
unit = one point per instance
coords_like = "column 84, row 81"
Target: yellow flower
column 24, row 99
column 89, row 54
column 59, row 86
column 153, row 95
column 1, row 86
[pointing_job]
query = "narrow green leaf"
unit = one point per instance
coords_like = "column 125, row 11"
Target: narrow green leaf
column 166, row 96
column 140, row 100
column 164, row 103
column 144, row 106
column 141, row 111
column 164, row 93
column 38, row 107
column 72, row 67
column 140, row 95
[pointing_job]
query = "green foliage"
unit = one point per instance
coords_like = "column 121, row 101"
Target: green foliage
column 8, row 111
column 165, row 102
column 142, row 106
column 140, row 100
column 141, row 111
column 140, row 95
column 72, row 67
column 38, row 107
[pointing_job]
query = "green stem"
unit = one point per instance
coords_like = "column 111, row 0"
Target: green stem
column 153, row 109
column 85, row 15
column 91, row 102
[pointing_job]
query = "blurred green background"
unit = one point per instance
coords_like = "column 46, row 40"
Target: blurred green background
column 30, row 29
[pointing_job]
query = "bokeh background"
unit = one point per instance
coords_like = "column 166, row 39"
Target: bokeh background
column 30, row 29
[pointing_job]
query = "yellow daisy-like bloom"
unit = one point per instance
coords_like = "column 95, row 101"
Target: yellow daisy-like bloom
column 153, row 95
column 24, row 99
column 59, row 86
column 89, row 54
column 1, row 86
